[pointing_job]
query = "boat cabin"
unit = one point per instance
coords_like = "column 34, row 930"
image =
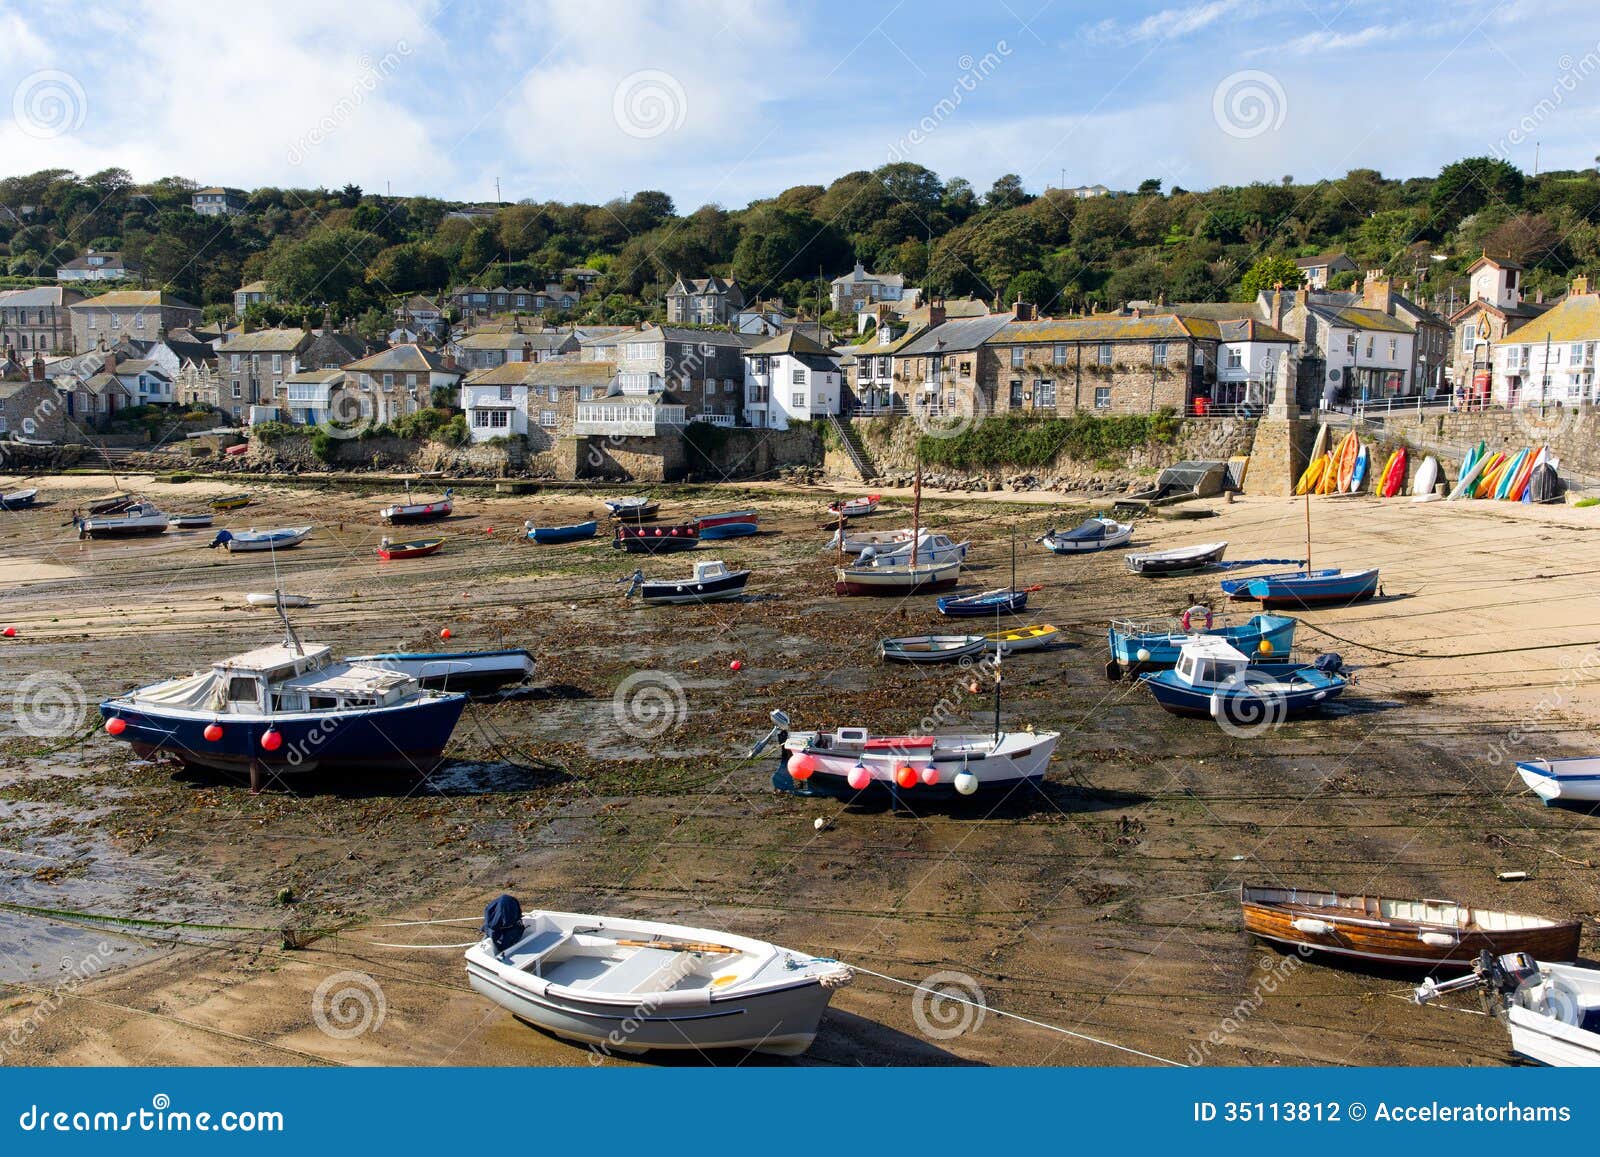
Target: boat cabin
column 711, row 568
column 271, row 680
column 1209, row 661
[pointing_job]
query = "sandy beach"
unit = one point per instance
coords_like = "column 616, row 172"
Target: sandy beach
column 1104, row 904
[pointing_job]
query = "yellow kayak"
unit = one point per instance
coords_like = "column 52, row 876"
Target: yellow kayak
column 1312, row 474
column 1491, row 475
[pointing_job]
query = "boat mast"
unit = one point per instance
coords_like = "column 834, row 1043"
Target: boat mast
column 1308, row 532
column 916, row 513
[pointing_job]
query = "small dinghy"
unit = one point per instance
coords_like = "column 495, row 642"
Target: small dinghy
column 632, row 509
column 856, row 543
column 1178, row 560
column 1034, row 638
column 441, row 507
column 1432, row 934
column 1097, row 533
column 733, row 524
column 895, row 580
column 631, row 986
column 111, row 504
column 472, row 671
column 190, row 521
column 1552, row 1011
column 1001, row 601
column 243, row 541
column 1577, row 780
column 1212, row 679
column 416, row 548
column 855, row 507
column 1326, row 587
column 931, row 648
column 1152, row 644
column 230, row 502
column 656, row 539
column 711, row 582
column 19, row 499
column 551, row 535
column 276, row 599
column 139, row 519
column 937, row 768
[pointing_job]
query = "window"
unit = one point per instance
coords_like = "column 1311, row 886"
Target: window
column 585, row 393
column 1058, row 355
column 1102, row 397
column 1469, row 338
column 1104, row 354
column 1371, row 344
column 1235, row 357
column 554, row 394
column 277, row 363
column 1350, row 344
column 1577, row 353
column 547, row 419
column 1016, row 357
column 799, row 377
column 1158, row 354
column 138, row 321
column 966, row 369
column 798, row 401
column 235, row 363
column 236, row 391
column 1016, row 393
column 1553, row 358
column 388, row 381
column 1044, row 395
column 711, row 387
column 758, row 365
column 91, row 321
column 1394, row 348
column 116, row 321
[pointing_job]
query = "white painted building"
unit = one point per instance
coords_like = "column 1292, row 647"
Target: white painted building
column 790, row 378
column 1367, row 354
column 1248, row 358
column 1552, row 359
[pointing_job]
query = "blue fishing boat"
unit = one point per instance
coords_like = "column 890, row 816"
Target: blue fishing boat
column 1153, row 645
column 288, row 708
column 1312, row 588
column 1239, row 588
column 1213, row 679
column 550, row 535
column 733, row 524
column 1004, row 601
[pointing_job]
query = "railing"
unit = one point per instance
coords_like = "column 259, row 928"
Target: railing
column 714, row 419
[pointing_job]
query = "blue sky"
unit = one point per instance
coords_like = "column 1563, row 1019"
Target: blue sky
column 731, row 100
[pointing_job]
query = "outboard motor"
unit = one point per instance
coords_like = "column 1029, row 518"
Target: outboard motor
column 867, row 556
column 223, row 537
column 1330, row 663
column 502, row 922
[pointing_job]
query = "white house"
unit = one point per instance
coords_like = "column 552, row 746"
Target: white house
column 854, row 291
column 1248, row 358
column 1552, row 358
column 790, row 378
column 310, row 395
column 495, row 401
column 1367, row 354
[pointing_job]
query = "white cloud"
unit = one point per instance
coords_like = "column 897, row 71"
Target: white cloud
column 1169, row 23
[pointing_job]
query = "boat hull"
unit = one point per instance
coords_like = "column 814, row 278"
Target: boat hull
column 1550, row 1042
column 1326, row 590
column 405, row 737
column 400, row 515
column 551, row 535
column 979, row 606
column 1115, row 535
column 18, row 500
column 655, row 539
column 996, row 774
column 729, row 586
column 729, row 530
column 139, row 530
column 868, row 580
column 1176, row 562
column 409, row 550
column 1576, row 780
column 1246, row 705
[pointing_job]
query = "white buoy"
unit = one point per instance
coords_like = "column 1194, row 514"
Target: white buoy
column 1142, row 654
column 820, row 824
column 966, row 783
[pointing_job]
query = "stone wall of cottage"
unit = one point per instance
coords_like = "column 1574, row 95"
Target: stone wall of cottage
column 1134, row 383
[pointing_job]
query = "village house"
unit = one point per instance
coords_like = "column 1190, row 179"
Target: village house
column 29, row 404
column 37, row 320
column 1248, row 359
column 330, row 349
column 705, row 368
column 791, row 377
column 854, row 291
column 1348, row 353
column 763, row 319
column 218, row 201
column 146, row 383
column 255, row 293
column 472, row 301
column 538, row 400
column 1496, row 307
column 400, row 380
column 311, row 397
column 418, row 315
column 255, row 364
column 1322, row 268
column 98, row 322
column 486, row 349
column 97, row 266
column 868, row 370
column 703, row 301
column 938, row 372
column 1551, row 359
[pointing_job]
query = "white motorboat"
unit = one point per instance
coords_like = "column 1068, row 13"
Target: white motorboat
column 139, row 519
column 248, row 540
column 630, row 986
column 1552, row 1011
column 711, row 582
column 931, row 548
column 942, row 766
column 1096, row 534
column 1569, row 779
column 1178, row 560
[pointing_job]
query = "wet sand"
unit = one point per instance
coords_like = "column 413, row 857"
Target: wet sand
column 1105, row 903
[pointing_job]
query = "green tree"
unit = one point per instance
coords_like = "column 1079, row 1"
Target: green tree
column 1466, row 186
column 1269, row 271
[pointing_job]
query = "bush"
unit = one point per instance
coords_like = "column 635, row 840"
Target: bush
column 269, row 432
column 1034, row 443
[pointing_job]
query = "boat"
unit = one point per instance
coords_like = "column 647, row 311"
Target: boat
column 190, row 521
column 931, row 648
column 632, row 509
column 856, row 543
column 1540, row 462
column 856, row 507
column 896, row 579
column 243, row 541
column 141, row 518
column 733, row 524
column 1153, row 644
column 1393, row 476
column 1551, row 1011
column 1490, row 476
column 1336, row 479
column 230, row 502
column 1562, row 779
column 1311, row 477
column 111, row 504
column 441, row 507
column 938, row 768
column 1329, row 586
column 287, row 708
column 1018, row 639
column 276, row 599
column 1423, row 486
column 656, row 539
column 1098, row 533
column 633, row 986
column 1178, row 560
column 19, row 499
column 469, row 671
column 711, row 582
column 1431, row 934
column 1214, row 679
column 1002, row 601
column 928, row 547
column 1508, row 476
column 416, row 548
column 1358, row 472
column 1471, row 467
column 551, row 535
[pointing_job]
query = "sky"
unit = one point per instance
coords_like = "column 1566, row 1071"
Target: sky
column 728, row 101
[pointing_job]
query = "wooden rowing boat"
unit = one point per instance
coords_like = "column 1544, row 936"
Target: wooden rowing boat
column 416, row 548
column 1432, row 934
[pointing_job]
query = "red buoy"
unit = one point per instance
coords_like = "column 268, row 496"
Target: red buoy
column 930, row 775
column 801, row 766
column 9, row 632
column 116, row 725
column 213, row 732
column 271, row 741
column 445, row 634
column 859, row 777
column 736, row 665
column 906, row 777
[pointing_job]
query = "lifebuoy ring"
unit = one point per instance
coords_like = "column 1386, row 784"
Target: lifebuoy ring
column 1193, row 613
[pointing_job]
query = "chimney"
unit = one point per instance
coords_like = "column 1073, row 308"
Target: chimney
column 1302, row 297
column 449, row 360
column 1022, row 310
column 1137, row 311
column 527, row 351
column 1375, row 293
column 1580, row 285
column 1277, row 306
column 936, row 314
column 1538, row 297
column 38, row 367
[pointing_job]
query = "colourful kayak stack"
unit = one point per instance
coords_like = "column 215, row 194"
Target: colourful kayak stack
column 1503, row 475
column 1344, row 469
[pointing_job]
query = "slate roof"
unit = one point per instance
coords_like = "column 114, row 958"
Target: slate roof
column 404, row 359
column 266, row 341
column 790, row 341
column 133, row 299
column 1575, row 318
column 1357, row 317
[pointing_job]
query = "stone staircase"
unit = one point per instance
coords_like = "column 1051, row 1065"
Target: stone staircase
column 854, row 450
